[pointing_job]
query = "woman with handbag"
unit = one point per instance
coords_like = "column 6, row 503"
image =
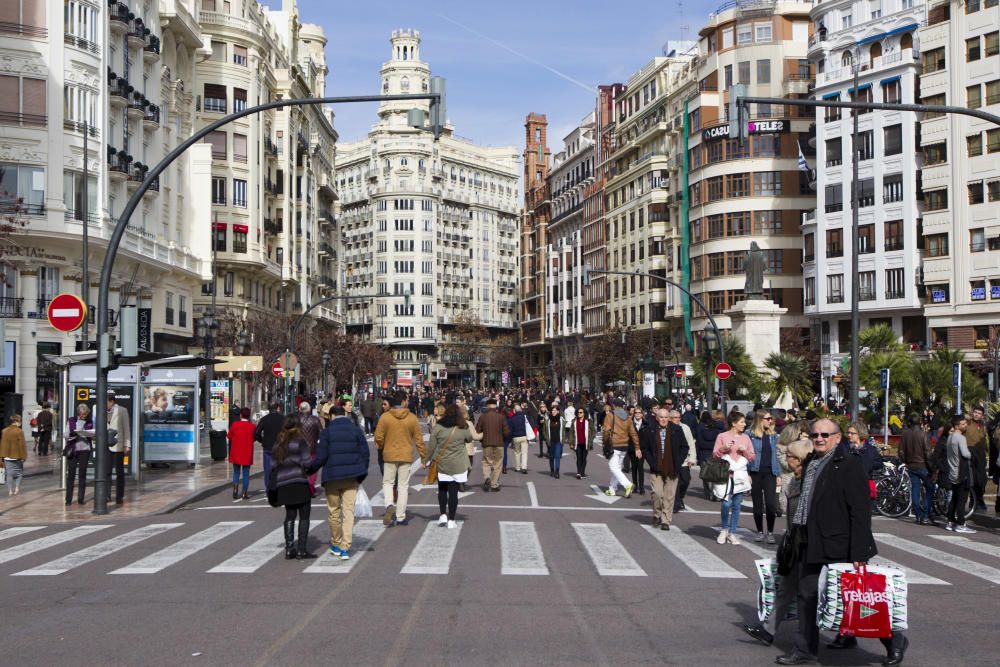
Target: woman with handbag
column 733, row 446
column 77, row 451
column 13, row 452
column 788, row 551
column 582, row 433
column 241, row 453
column 290, row 484
column 447, row 461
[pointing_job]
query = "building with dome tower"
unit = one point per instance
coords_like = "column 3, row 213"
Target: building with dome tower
column 436, row 219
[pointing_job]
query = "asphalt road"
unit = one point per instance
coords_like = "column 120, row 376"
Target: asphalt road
column 539, row 573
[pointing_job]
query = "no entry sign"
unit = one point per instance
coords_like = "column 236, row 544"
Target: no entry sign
column 723, row 371
column 277, row 370
column 67, row 312
column 679, row 372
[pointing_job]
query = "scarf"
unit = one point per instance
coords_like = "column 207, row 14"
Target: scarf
column 808, row 483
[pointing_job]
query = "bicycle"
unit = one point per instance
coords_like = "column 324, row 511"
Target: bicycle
column 893, row 497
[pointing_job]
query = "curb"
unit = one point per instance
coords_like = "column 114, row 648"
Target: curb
column 198, row 495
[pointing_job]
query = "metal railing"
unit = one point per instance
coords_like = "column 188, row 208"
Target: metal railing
column 11, row 307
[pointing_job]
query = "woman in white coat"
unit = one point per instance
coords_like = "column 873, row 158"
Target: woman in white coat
column 734, row 446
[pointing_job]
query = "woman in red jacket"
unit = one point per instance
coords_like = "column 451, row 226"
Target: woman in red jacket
column 241, row 452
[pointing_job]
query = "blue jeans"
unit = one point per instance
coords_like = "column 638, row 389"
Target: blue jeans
column 506, row 444
column 555, row 456
column 267, row 468
column 921, row 478
column 731, row 512
column 237, row 468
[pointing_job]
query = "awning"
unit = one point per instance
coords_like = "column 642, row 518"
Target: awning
column 220, row 225
column 832, row 96
column 891, row 79
column 864, row 86
column 143, row 358
column 883, row 35
column 244, row 229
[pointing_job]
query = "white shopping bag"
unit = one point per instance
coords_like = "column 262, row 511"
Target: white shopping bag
column 362, row 506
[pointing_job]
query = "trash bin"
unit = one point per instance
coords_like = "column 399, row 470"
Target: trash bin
column 219, row 445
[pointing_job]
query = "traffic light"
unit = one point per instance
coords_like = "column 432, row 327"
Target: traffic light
column 739, row 116
column 438, row 112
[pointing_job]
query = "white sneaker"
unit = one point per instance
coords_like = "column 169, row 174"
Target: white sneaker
column 758, row 537
column 950, row 526
column 443, row 520
column 452, row 524
column 964, row 529
column 733, row 539
column 721, row 539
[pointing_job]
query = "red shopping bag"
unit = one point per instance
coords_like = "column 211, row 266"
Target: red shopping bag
column 866, row 605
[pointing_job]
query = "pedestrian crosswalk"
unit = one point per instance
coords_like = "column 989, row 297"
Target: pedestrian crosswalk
column 526, row 548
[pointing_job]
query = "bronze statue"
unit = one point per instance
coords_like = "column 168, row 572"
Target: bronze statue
column 754, row 268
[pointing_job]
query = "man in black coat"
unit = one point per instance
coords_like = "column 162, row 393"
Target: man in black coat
column 267, row 432
column 834, row 518
column 664, row 448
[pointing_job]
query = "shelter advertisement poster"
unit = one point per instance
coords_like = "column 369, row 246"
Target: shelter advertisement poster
column 169, row 423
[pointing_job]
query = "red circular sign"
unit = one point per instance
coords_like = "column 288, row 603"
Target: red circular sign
column 679, row 372
column 723, row 371
column 67, row 312
column 276, row 369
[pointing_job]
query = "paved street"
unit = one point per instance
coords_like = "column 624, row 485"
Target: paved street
column 539, row 573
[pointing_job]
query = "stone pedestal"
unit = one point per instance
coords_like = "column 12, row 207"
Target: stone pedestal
column 755, row 324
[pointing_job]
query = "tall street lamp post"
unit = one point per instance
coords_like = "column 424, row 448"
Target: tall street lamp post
column 207, row 326
column 326, row 364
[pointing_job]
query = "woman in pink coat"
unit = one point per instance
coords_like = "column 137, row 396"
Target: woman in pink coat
column 734, row 446
column 241, row 452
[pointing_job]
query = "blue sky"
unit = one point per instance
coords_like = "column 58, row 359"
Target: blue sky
column 490, row 88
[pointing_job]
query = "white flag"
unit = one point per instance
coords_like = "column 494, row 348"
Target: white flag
column 803, row 165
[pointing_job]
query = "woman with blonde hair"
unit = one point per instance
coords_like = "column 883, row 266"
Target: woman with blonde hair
column 764, row 473
column 797, row 431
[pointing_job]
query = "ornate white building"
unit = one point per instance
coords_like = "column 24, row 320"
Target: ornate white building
column 436, row 219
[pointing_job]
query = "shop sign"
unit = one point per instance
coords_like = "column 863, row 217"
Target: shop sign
column 753, row 127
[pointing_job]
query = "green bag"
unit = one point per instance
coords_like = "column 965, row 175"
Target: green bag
column 715, row 471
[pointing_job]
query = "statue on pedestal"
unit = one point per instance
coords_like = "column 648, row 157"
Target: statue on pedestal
column 754, row 268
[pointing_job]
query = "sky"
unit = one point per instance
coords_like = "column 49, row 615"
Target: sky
column 501, row 60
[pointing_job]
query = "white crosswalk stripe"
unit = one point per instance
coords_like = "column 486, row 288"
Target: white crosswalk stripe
column 20, row 530
column 181, row 550
column 520, row 549
column 944, row 558
column 255, row 556
column 693, row 554
column 606, row 552
column 434, row 550
column 988, row 549
column 366, row 533
column 48, row 541
column 83, row 556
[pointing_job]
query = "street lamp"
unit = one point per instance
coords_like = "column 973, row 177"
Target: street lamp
column 711, row 342
column 326, row 363
column 207, row 326
column 242, row 347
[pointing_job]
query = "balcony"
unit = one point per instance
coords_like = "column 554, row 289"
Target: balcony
column 866, row 294
column 119, row 90
column 151, row 117
column 151, row 52
column 81, row 43
column 137, row 104
column 895, row 294
column 11, row 307
column 137, row 33
column 835, row 297
column 23, row 119
column 119, row 17
column 271, row 228
column 270, row 147
column 118, row 164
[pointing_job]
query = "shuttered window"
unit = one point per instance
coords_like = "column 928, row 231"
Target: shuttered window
column 10, row 97
column 34, row 97
column 218, row 141
column 239, row 55
column 22, row 101
column 215, row 98
column 240, row 147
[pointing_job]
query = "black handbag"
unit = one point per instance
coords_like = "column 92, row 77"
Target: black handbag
column 272, row 487
column 787, row 551
column 715, row 471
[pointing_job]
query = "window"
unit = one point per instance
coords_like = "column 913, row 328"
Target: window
column 219, row 190
column 22, row 101
column 739, row 223
column 73, row 195
column 939, row 293
column 239, row 147
column 240, row 238
column 892, row 188
column 218, row 141
column 937, row 153
column 736, row 150
column 972, row 50
column 866, row 192
column 728, row 74
column 239, row 55
column 219, row 236
column 972, row 6
column 24, row 183
column 933, row 60
column 993, row 92
column 846, row 21
column 976, row 192
column 239, row 99
column 992, row 44
column 809, row 294
column 764, row 70
column 835, row 288
column 993, row 141
column 974, row 96
column 738, row 185
column 48, row 282
column 935, row 200
column 834, row 156
column 767, row 145
column 229, row 284
column 993, row 190
column 834, row 243
column 767, row 183
column 79, row 104
column 717, row 264
column 977, row 240
column 866, row 286
column 715, row 190
column 937, row 245
column 893, row 231
column 834, row 198
column 716, row 226
column 734, row 263
column 893, row 140
column 744, row 34
column 239, row 193
column 832, row 113
column 215, row 98
column 762, row 32
column 933, row 100
column 977, row 292
column 743, row 75
column 895, row 284
column 168, row 302
column 974, row 144
column 727, row 38
column 866, row 145
column 866, row 239
column 809, row 248
column 892, row 92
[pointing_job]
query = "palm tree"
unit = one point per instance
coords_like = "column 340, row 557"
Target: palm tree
column 939, row 366
column 789, row 376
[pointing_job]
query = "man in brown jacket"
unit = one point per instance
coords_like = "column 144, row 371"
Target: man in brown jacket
column 397, row 433
column 915, row 452
column 495, row 432
column 620, row 432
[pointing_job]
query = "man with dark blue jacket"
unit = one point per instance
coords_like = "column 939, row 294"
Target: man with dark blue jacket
column 343, row 456
column 519, row 439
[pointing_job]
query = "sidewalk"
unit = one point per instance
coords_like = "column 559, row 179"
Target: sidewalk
column 41, row 501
